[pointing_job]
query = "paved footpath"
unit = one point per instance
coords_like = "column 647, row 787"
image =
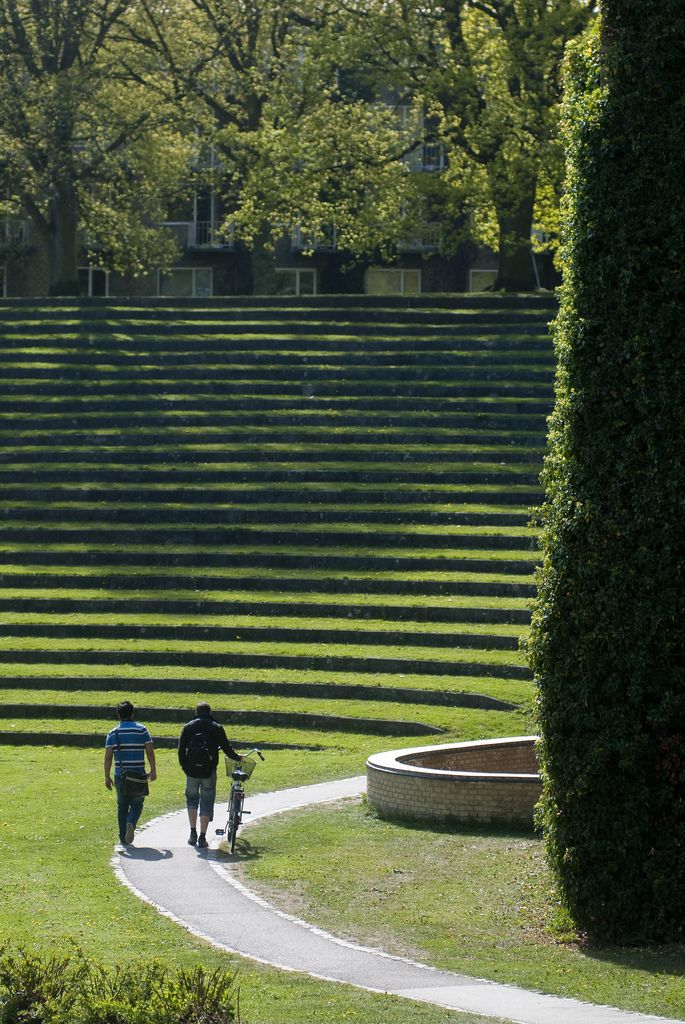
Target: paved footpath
column 198, row 890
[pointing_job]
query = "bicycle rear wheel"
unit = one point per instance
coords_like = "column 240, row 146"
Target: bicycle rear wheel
column 234, row 819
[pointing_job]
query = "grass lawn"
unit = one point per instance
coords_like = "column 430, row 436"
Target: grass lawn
column 467, row 899
column 57, row 830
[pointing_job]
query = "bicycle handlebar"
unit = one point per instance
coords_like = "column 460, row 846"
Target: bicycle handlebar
column 255, row 750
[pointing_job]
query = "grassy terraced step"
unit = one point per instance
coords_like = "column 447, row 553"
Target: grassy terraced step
column 257, row 635
column 227, row 319
column 332, row 316
column 284, row 719
column 274, row 394
column 317, row 691
column 232, row 536
column 108, row 419
column 277, row 516
column 78, row 457
column 100, row 306
column 295, row 585
column 147, row 606
column 335, row 310
column 202, row 477
column 190, row 560
column 36, row 363
column 58, row 738
column 439, row 341
column 328, row 381
column 283, row 662
column 293, row 496
column 334, row 439
column 296, row 392
column 172, row 475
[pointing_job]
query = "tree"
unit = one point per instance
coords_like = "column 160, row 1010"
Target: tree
column 295, row 151
column 79, row 138
column 607, row 644
column 487, row 75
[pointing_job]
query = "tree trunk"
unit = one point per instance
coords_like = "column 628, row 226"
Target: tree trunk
column 63, row 242
column 262, row 265
column 514, row 197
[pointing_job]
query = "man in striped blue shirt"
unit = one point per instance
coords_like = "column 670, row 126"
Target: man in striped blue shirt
column 127, row 745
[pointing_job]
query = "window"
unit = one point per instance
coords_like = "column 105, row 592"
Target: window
column 386, row 281
column 433, row 157
column 14, row 231
column 186, row 282
column 295, row 281
column 94, row 282
column 481, row 280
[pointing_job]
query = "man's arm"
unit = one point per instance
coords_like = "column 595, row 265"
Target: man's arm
column 183, row 746
column 150, row 751
column 109, row 755
column 225, row 745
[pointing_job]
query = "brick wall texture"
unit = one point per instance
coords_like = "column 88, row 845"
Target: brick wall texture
column 465, row 782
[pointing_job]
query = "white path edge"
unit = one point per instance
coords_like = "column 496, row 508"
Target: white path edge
column 449, row 990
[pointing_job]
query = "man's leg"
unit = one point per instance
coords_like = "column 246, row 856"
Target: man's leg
column 207, row 795
column 122, row 809
column 192, row 803
column 134, row 811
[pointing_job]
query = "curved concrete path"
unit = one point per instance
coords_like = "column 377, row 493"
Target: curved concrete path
column 198, row 890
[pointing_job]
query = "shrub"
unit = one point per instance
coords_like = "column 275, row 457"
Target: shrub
column 75, row 990
column 607, row 646
column 32, row 987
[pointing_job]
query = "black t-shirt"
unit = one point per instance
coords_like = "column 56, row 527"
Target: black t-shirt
column 215, row 736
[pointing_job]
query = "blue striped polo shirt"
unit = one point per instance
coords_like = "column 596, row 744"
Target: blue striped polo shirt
column 128, row 740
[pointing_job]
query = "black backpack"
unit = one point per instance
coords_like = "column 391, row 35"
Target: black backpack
column 199, row 760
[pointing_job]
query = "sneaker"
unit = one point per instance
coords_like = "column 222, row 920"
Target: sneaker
column 130, row 832
column 202, row 841
column 192, row 838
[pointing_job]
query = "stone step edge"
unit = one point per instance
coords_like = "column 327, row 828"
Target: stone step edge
column 258, row 635
column 42, row 739
column 302, row 663
column 151, row 582
column 316, row 691
column 267, row 609
column 276, row 719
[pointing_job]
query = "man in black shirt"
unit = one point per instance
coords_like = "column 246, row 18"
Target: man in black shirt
column 198, row 754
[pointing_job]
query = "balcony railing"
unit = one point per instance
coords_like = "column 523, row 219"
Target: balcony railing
column 197, row 234
column 325, row 240
column 427, row 240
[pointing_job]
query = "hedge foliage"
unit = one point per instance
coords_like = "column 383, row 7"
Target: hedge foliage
column 608, row 640
column 71, row 989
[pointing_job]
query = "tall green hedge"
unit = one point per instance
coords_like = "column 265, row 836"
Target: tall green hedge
column 608, row 639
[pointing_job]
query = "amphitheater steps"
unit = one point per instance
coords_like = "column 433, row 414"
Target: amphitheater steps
column 307, row 500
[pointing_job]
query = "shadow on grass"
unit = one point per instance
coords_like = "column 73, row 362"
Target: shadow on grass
column 244, row 851
column 668, row 961
column 457, row 827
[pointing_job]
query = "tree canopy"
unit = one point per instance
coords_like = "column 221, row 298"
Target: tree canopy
column 103, row 102
column 486, row 74
column 82, row 147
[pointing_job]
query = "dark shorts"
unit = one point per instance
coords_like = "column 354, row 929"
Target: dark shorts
column 201, row 793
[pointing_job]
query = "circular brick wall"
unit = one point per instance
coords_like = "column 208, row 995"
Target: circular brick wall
column 481, row 780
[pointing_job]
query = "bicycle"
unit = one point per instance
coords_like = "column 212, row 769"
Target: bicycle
column 240, row 774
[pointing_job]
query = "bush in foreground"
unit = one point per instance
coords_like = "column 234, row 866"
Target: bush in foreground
column 69, row 989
